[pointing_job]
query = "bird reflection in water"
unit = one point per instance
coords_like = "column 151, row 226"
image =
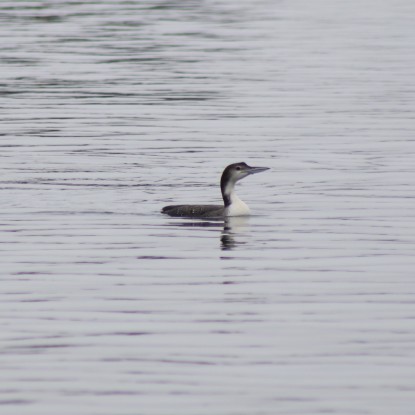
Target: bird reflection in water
column 231, row 228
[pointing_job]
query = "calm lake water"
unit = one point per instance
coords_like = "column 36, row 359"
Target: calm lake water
column 111, row 110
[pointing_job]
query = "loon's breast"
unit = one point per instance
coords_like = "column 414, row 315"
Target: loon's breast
column 237, row 208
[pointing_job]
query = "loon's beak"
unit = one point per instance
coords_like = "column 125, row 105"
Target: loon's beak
column 253, row 170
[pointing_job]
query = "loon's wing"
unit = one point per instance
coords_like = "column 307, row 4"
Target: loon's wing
column 194, row 211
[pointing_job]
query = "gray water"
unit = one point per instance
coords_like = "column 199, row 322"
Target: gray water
column 111, row 110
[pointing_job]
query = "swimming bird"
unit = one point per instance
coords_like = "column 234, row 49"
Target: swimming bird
column 232, row 205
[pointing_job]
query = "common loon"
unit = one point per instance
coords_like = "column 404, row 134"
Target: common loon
column 233, row 206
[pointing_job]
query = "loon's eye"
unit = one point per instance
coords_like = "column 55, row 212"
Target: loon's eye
column 238, row 168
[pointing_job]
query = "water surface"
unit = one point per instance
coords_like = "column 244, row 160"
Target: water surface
column 111, row 110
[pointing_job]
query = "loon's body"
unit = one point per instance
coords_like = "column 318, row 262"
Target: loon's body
column 232, row 205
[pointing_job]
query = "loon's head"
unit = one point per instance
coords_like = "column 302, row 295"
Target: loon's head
column 232, row 174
